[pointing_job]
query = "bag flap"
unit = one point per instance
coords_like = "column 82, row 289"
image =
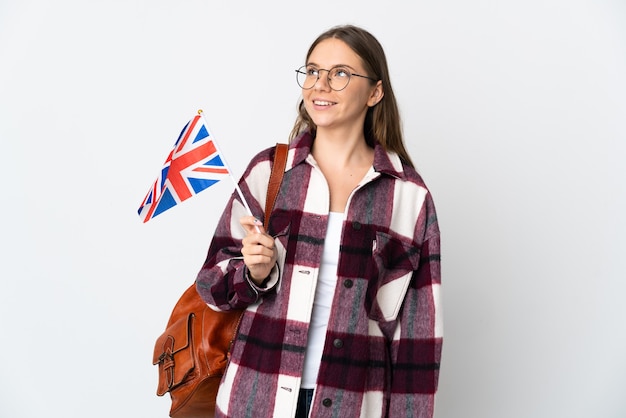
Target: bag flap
column 173, row 354
column 175, row 338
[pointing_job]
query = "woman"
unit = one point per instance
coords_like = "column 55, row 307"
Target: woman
column 342, row 291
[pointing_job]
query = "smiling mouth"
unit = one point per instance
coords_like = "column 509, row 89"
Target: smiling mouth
column 322, row 103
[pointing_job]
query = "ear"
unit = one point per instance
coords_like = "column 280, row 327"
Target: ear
column 377, row 94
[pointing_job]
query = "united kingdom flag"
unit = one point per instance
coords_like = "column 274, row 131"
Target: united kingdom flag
column 193, row 165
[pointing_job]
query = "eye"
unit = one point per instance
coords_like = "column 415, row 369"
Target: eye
column 340, row 72
column 312, row 71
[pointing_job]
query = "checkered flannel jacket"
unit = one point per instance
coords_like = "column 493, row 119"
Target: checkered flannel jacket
column 383, row 345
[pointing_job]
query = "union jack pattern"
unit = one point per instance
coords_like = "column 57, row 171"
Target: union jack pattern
column 193, row 165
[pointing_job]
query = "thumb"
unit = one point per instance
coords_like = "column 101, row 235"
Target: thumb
column 252, row 225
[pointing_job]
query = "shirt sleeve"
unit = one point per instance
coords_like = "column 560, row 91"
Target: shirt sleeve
column 223, row 282
column 417, row 343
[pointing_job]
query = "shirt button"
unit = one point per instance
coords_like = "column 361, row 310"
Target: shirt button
column 347, row 283
column 338, row 343
column 327, row 402
column 356, row 225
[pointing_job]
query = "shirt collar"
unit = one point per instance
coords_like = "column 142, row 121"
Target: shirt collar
column 384, row 162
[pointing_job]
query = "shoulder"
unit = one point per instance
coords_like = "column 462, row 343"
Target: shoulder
column 298, row 149
column 412, row 175
column 408, row 181
column 262, row 156
column 390, row 163
column 260, row 161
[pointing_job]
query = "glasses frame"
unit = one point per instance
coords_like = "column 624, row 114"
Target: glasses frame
column 302, row 70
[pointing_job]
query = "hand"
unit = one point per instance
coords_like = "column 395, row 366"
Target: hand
column 259, row 251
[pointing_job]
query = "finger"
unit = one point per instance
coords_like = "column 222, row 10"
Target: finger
column 257, row 261
column 252, row 224
column 257, row 244
column 255, row 238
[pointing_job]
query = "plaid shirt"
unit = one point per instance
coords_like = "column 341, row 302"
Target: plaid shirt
column 383, row 344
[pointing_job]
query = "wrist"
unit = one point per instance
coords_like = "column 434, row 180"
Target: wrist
column 256, row 281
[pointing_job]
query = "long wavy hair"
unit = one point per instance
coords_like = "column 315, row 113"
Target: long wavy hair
column 382, row 121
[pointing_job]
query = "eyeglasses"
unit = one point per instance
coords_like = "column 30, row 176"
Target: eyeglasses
column 338, row 77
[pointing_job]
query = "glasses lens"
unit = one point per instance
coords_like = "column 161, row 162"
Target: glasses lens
column 339, row 78
column 306, row 77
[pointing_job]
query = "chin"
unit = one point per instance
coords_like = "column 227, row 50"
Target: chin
column 322, row 122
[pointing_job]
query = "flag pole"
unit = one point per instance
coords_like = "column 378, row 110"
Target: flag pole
column 230, row 173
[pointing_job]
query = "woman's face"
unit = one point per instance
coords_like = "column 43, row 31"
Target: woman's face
column 344, row 109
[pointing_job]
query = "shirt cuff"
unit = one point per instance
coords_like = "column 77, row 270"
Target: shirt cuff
column 268, row 284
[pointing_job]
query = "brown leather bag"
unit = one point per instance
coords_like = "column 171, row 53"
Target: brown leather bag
column 193, row 351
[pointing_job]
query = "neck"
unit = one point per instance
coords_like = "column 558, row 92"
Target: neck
column 343, row 162
column 342, row 149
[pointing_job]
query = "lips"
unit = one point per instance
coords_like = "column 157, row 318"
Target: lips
column 322, row 103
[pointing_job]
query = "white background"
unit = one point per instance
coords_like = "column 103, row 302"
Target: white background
column 514, row 112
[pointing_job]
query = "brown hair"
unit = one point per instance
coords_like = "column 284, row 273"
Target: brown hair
column 382, row 122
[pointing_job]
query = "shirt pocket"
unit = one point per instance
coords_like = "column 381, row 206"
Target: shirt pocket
column 395, row 259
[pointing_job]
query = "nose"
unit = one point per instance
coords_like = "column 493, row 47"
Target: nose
column 322, row 82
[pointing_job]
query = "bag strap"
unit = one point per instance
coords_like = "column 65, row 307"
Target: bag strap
column 276, row 178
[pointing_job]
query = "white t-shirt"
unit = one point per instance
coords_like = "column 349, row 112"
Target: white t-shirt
column 323, row 300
